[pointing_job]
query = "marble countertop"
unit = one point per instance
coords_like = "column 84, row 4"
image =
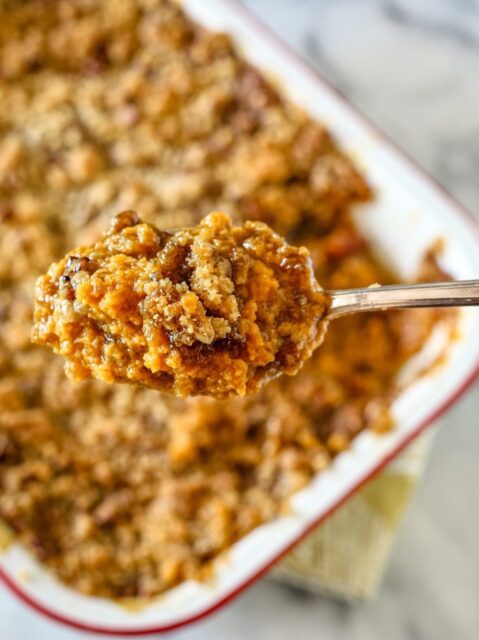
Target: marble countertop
column 413, row 68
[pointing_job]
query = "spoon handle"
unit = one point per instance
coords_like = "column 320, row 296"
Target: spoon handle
column 377, row 298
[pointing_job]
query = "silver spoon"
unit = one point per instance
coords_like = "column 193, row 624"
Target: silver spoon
column 377, row 298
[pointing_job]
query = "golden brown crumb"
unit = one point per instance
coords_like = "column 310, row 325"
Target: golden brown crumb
column 208, row 310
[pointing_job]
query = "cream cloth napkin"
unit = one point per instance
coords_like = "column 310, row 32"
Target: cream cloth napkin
column 347, row 555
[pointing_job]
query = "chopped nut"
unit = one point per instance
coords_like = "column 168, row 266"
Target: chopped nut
column 74, row 264
column 123, row 220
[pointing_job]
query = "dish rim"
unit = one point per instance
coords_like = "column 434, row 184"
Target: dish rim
column 456, row 208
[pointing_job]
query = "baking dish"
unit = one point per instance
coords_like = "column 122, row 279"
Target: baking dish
column 407, row 217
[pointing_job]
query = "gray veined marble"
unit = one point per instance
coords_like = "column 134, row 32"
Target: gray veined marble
column 413, row 67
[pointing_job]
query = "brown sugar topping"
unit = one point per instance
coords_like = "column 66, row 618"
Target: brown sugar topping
column 214, row 309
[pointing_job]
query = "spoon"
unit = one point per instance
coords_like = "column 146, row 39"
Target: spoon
column 381, row 298
column 214, row 309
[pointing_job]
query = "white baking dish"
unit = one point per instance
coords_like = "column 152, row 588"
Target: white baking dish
column 409, row 214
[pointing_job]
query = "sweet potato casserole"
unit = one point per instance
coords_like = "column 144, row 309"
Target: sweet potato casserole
column 107, row 105
column 213, row 310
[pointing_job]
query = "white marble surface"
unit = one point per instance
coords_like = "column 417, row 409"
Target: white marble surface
column 413, row 67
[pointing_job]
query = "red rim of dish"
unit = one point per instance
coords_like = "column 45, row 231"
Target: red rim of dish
column 257, row 24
